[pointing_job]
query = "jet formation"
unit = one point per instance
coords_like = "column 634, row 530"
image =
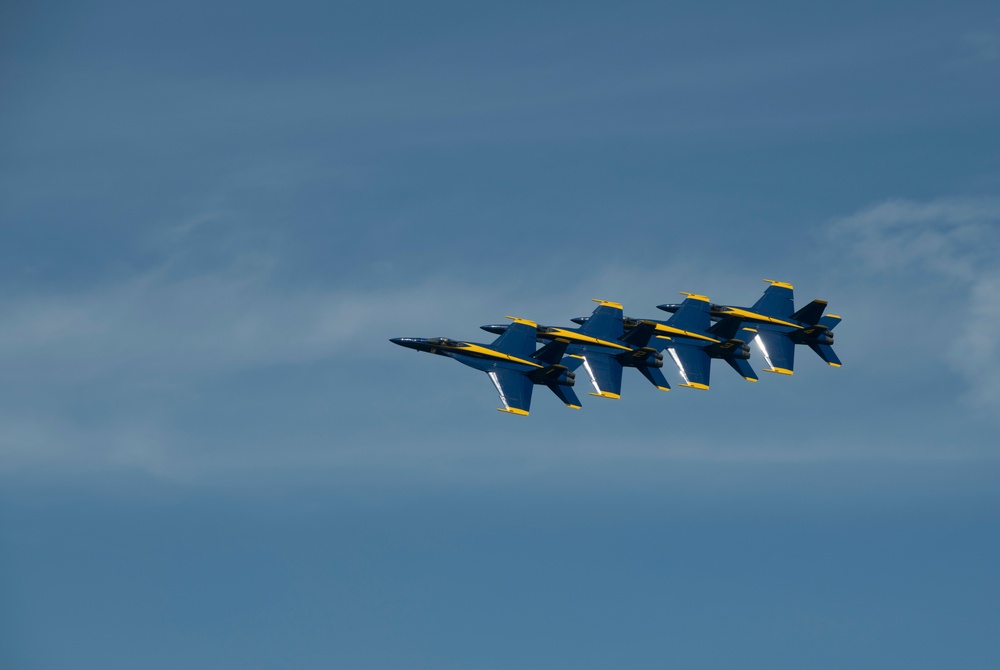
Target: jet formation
column 606, row 342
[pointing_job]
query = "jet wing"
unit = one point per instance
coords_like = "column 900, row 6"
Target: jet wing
column 514, row 389
column 518, row 340
column 778, row 351
column 605, row 374
column 778, row 300
column 694, row 364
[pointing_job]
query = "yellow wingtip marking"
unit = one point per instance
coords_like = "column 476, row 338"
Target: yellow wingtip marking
column 513, row 410
column 695, row 296
column 606, row 394
column 573, row 406
column 835, row 365
column 780, row 371
column 663, row 388
column 834, row 316
column 607, row 303
column 750, row 379
column 526, row 322
column 750, row 330
column 696, row 385
column 779, row 284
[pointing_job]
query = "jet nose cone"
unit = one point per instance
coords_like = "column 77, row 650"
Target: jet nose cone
column 410, row 342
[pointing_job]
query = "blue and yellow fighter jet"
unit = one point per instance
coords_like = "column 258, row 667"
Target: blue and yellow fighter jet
column 604, row 349
column 511, row 362
column 779, row 327
column 692, row 341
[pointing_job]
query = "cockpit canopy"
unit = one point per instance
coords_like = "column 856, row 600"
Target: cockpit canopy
column 444, row 342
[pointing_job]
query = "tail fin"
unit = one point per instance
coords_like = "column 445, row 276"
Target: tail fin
column 727, row 328
column 566, row 394
column 606, row 321
column 552, row 353
column 519, row 339
column 825, row 351
column 640, row 335
column 811, row 313
column 778, row 300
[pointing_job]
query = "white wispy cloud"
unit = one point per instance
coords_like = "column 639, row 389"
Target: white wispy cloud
column 954, row 241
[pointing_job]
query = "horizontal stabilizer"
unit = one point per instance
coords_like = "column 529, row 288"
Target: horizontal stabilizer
column 655, row 377
column 742, row 367
column 811, row 313
column 825, row 351
column 566, row 394
column 830, row 321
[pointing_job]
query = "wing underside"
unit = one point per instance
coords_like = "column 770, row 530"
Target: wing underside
column 605, row 374
column 778, row 351
column 514, row 389
column 694, row 364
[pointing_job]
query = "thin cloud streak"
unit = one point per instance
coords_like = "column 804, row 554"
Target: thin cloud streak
column 949, row 241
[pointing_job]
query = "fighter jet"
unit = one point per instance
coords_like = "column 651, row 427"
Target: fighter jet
column 604, row 349
column 692, row 341
column 511, row 362
column 779, row 327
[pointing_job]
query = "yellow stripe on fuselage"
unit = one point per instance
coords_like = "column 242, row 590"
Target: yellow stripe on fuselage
column 490, row 353
column 747, row 314
column 574, row 336
column 663, row 328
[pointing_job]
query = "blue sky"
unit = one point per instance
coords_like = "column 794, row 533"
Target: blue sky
column 214, row 215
